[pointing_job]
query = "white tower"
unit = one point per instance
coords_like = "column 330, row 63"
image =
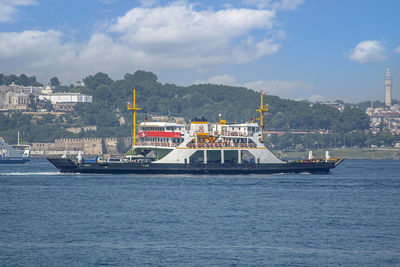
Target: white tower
column 388, row 85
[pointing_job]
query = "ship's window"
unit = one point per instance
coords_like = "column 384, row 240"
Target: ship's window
column 197, row 157
column 231, row 156
column 247, row 157
column 214, row 156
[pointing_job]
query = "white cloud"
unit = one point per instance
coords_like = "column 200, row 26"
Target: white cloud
column 368, row 51
column 275, row 4
column 181, row 36
column 9, row 8
column 279, row 88
column 223, row 79
column 172, row 36
column 318, row 98
column 36, row 52
column 397, row 50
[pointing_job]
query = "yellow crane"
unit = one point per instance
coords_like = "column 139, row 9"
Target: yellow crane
column 262, row 109
column 132, row 106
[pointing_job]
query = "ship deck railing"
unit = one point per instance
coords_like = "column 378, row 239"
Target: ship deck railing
column 234, row 133
column 157, row 144
column 220, row 145
column 198, row 145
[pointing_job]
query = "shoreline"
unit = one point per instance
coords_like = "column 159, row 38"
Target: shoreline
column 348, row 153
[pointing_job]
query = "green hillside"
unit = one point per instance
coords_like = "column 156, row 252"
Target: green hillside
column 108, row 110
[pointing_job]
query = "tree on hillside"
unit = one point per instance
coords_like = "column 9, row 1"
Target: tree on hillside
column 98, row 79
column 32, row 102
column 141, row 75
column 54, row 81
column 103, row 93
column 10, row 79
column 33, row 82
column 351, row 119
column 23, row 80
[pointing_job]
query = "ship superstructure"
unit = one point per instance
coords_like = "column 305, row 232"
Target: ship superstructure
column 202, row 142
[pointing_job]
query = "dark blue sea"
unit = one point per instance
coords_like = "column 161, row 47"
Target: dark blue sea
column 350, row 217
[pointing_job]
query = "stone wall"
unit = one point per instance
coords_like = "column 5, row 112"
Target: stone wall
column 88, row 146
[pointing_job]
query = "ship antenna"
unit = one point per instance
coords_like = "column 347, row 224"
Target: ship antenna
column 262, row 109
column 134, row 109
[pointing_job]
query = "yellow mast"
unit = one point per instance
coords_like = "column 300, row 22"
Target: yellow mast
column 134, row 109
column 262, row 109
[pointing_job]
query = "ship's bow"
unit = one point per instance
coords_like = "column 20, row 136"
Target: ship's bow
column 64, row 165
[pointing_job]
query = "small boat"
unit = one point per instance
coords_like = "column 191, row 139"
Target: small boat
column 11, row 155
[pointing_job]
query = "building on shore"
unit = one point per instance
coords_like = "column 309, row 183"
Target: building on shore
column 388, row 85
column 64, row 101
column 388, row 116
column 13, row 98
column 17, row 98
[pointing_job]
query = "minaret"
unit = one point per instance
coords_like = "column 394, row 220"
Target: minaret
column 388, row 85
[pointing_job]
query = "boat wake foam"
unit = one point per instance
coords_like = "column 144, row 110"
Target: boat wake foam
column 29, row 173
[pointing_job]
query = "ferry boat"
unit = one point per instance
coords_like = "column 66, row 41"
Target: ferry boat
column 199, row 148
column 11, row 155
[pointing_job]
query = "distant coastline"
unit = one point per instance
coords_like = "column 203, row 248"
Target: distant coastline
column 349, row 153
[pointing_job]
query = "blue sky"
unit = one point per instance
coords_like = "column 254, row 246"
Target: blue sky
column 298, row 49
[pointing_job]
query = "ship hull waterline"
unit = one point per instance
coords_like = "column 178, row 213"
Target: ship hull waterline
column 69, row 166
column 14, row 160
